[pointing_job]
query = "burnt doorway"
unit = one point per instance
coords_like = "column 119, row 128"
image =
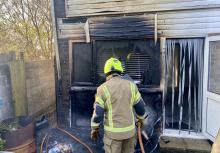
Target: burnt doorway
column 140, row 59
column 183, row 89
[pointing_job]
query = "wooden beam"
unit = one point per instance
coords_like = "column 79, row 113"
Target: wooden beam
column 162, row 71
column 155, row 29
column 87, row 32
column 56, row 44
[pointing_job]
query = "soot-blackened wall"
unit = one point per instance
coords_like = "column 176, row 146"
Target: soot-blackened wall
column 63, row 96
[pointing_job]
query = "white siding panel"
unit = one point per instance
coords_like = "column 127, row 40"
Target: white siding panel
column 103, row 7
column 80, row 2
column 74, row 31
column 190, row 26
column 192, row 20
column 195, row 23
column 188, row 14
column 122, row 4
column 189, row 33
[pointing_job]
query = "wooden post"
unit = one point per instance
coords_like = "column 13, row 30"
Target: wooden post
column 162, row 69
column 155, row 29
column 86, row 28
column 162, row 60
column 55, row 41
column 70, row 60
column 18, row 83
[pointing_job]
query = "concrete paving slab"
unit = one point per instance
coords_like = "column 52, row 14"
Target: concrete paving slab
column 183, row 145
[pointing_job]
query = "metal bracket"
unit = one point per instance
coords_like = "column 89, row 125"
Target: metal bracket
column 86, row 28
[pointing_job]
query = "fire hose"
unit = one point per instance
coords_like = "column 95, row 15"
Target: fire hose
column 42, row 143
column 140, row 138
column 75, row 138
column 84, row 144
column 67, row 133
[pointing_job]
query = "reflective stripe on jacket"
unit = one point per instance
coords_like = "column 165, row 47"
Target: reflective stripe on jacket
column 117, row 97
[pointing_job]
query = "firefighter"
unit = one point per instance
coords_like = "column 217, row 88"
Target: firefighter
column 119, row 103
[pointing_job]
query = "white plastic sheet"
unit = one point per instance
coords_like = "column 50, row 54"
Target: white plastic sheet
column 190, row 81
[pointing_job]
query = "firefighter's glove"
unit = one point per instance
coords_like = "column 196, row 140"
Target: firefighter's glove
column 140, row 123
column 94, row 134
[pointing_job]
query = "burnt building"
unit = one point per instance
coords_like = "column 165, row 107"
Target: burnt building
column 170, row 48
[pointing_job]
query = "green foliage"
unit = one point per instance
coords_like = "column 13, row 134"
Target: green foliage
column 25, row 26
column 2, row 144
column 13, row 126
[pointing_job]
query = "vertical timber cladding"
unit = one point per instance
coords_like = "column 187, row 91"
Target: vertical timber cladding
column 102, row 7
column 18, row 82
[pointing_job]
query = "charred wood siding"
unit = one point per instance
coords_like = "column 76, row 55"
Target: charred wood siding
column 173, row 24
column 63, row 97
column 126, row 27
column 101, row 7
column 59, row 8
column 73, row 31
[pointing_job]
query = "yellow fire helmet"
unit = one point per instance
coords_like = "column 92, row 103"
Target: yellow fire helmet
column 113, row 65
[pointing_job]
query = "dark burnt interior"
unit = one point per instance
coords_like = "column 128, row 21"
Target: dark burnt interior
column 140, row 59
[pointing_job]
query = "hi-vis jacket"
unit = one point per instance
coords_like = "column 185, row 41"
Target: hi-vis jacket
column 118, row 101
